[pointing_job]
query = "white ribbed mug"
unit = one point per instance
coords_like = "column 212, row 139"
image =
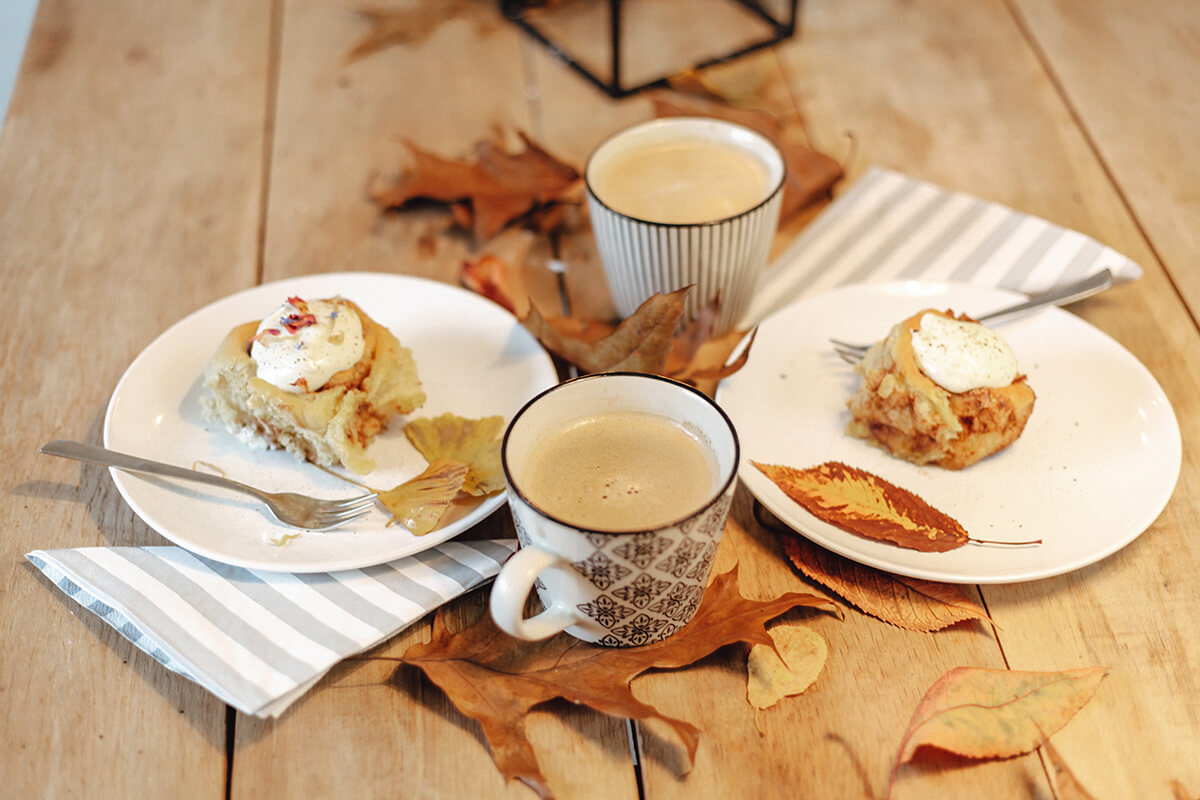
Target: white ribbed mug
column 723, row 256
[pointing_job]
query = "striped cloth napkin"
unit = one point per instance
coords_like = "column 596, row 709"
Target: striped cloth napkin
column 259, row 640
column 889, row 226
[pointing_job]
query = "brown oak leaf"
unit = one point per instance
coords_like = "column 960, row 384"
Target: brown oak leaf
column 391, row 27
column 909, row 603
column 640, row 343
column 865, row 504
column 488, row 193
column 995, row 713
column 496, row 679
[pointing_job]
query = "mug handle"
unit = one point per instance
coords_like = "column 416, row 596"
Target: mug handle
column 512, row 588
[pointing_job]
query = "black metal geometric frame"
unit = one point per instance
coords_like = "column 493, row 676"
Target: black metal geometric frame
column 781, row 28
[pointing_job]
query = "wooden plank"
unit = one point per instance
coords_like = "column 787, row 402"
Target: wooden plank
column 968, row 105
column 369, row 730
column 1132, row 76
column 121, row 209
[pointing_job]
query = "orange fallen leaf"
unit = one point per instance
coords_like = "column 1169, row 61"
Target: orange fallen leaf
column 496, row 679
column 488, row 193
column 865, row 504
column 995, row 713
column 908, row 603
column 489, row 277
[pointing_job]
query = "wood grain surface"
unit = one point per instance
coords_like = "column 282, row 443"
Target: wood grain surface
column 158, row 157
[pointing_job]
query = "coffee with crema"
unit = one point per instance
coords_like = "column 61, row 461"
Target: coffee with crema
column 681, row 180
column 620, row 471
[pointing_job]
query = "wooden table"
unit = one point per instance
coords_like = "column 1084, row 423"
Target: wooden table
column 158, row 157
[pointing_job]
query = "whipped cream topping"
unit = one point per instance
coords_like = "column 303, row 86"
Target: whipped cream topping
column 302, row 344
column 960, row 356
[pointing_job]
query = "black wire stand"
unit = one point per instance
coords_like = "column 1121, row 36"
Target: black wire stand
column 780, row 27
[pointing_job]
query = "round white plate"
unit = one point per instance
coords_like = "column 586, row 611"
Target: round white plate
column 1095, row 466
column 474, row 359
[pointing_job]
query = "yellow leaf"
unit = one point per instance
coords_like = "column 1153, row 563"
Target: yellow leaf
column 468, row 441
column 996, row 713
column 791, row 667
column 419, row 504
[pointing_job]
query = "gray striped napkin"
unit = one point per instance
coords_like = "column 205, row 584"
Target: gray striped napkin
column 889, row 226
column 259, row 640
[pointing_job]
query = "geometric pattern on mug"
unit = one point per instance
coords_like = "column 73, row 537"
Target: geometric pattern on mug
column 708, row 525
column 601, row 570
column 641, row 629
column 522, row 534
column 598, row 540
column 680, row 603
column 642, row 590
column 642, row 548
column 608, row 640
column 605, row 610
column 678, row 562
column 699, row 570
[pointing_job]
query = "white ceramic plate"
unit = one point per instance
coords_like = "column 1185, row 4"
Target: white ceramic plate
column 1095, row 466
column 474, row 360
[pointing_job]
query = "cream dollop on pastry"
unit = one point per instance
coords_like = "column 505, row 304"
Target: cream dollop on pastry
column 327, row 419
column 302, row 344
column 940, row 389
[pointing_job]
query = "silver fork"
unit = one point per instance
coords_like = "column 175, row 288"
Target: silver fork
column 297, row 510
column 1058, row 296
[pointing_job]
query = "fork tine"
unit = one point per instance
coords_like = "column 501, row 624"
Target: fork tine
column 337, row 520
column 849, row 357
column 359, row 501
column 858, row 348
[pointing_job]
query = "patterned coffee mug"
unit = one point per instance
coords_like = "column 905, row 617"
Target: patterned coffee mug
column 624, row 588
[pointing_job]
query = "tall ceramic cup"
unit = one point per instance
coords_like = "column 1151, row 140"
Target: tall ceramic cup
column 618, row 587
column 685, row 201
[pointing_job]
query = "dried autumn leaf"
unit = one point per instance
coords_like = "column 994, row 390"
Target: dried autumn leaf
column 472, row 442
column 1066, row 785
column 419, row 504
column 486, row 194
column 496, row 679
column 390, row 27
column 785, row 670
column 488, row 277
column 640, row 342
column 810, row 175
column 995, row 713
column 865, row 504
column 909, row 603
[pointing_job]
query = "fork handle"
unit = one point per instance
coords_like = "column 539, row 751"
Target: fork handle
column 111, row 458
column 1059, row 297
